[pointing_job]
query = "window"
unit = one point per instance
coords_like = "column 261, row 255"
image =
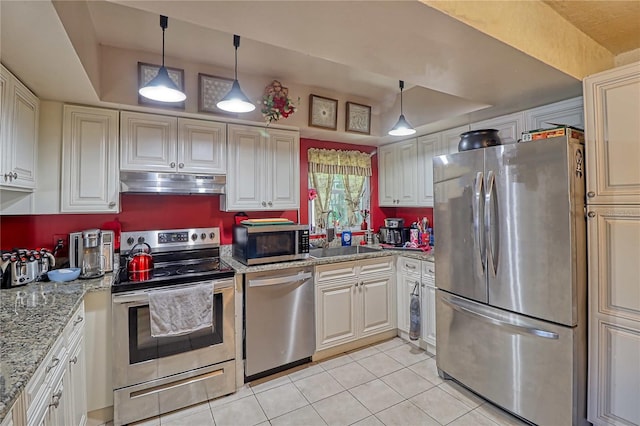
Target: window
column 339, row 183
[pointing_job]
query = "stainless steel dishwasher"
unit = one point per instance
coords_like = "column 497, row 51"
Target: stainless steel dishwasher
column 279, row 326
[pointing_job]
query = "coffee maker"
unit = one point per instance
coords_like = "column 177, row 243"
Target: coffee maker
column 92, row 251
column 393, row 232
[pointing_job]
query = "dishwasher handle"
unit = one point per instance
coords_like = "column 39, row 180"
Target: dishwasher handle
column 280, row 280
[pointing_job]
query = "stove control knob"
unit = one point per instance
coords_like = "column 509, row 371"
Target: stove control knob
column 194, row 236
column 130, row 241
column 212, row 235
column 140, row 240
column 203, row 236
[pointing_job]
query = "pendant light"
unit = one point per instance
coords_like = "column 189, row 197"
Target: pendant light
column 235, row 100
column 161, row 88
column 402, row 127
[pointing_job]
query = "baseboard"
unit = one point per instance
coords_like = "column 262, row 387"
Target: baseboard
column 366, row 341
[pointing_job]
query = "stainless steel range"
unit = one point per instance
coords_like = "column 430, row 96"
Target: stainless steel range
column 155, row 375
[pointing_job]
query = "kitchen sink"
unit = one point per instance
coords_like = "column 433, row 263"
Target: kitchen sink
column 340, row 251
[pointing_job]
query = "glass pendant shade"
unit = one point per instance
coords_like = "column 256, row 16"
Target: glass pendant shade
column 162, row 88
column 236, row 100
column 402, row 128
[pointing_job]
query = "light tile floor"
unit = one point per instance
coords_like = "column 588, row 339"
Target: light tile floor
column 390, row 383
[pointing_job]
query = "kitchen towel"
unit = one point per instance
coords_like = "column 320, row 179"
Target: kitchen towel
column 174, row 312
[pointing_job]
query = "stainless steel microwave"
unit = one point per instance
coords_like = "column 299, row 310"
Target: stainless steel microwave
column 258, row 244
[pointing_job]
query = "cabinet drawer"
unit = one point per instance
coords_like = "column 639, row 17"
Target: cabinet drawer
column 335, row 271
column 73, row 329
column 377, row 265
column 428, row 273
column 41, row 381
column 408, row 266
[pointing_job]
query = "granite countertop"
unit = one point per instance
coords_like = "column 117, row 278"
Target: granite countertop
column 32, row 317
column 311, row 261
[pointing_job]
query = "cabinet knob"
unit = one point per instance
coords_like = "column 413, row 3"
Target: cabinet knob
column 270, row 203
column 264, row 204
column 6, row 177
column 181, row 165
column 591, row 194
column 15, row 175
column 591, row 214
column 55, row 401
column 357, row 283
column 172, row 164
column 112, row 204
column 73, row 360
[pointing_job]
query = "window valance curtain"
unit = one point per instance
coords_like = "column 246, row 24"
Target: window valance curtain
column 331, row 161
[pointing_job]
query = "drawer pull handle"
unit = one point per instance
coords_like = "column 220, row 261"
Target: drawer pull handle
column 431, row 271
column 78, row 320
column 56, row 399
column 73, row 360
column 410, row 267
column 54, row 362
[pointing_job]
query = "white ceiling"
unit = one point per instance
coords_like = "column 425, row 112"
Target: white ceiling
column 359, row 48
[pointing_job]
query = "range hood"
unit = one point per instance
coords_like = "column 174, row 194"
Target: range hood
column 171, row 183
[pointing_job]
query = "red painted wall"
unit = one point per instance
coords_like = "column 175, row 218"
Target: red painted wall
column 139, row 212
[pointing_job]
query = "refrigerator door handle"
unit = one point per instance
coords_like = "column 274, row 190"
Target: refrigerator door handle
column 492, row 260
column 478, row 234
column 456, row 305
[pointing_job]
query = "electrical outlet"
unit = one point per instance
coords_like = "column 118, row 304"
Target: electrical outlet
column 64, row 251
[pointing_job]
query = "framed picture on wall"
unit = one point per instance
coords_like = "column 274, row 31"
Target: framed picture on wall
column 323, row 112
column 211, row 90
column 147, row 72
column 358, row 118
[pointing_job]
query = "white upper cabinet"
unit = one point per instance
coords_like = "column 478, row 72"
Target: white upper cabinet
column 89, row 160
column 612, row 135
column 158, row 143
column 569, row 112
column 449, row 139
column 263, row 169
column 509, row 126
column 18, row 134
column 398, row 177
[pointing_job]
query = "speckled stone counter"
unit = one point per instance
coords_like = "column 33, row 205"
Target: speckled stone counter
column 243, row 269
column 31, row 319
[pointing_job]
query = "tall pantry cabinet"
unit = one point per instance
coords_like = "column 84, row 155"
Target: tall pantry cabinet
column 612, row 111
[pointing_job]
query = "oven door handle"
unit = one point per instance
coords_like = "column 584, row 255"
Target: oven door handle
column 280, row 280
column 143, row 295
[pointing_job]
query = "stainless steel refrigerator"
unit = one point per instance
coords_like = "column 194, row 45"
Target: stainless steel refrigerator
column 511, row 276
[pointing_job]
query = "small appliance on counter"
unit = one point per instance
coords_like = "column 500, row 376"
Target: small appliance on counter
column 393, row 232
column 92, row 251
column 258, row 241
column 22, row 266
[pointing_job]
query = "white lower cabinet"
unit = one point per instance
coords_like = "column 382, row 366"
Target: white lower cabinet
column 56, row 394
column 90, row 175
column 614, row 314
column 416, row 275
column 354, row 300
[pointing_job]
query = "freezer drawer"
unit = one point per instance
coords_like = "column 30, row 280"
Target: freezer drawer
column 532, row 368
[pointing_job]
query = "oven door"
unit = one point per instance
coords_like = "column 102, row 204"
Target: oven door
column 138, row 357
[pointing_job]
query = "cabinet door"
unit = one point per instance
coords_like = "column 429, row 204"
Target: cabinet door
column 335, row 314
column 202, row 146
column 509, row 126
column 377, row 305
column 406, row 166
column 428, row 314
column 429, row 146
column 23, row 131
column 406, row 284
column 246, row 172
column 77, row 389
column 89, row 160
column 282, row 190
column 614, row 314
column 612, row 107
column 569, row 112
column 386, row 176
column 148, row 142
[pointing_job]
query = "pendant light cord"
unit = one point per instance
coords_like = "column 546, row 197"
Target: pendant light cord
column 164, row 21
column 401, row 87
column 236, row 44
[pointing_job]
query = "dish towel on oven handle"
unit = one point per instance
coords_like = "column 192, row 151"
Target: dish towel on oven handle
column 175, row 312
